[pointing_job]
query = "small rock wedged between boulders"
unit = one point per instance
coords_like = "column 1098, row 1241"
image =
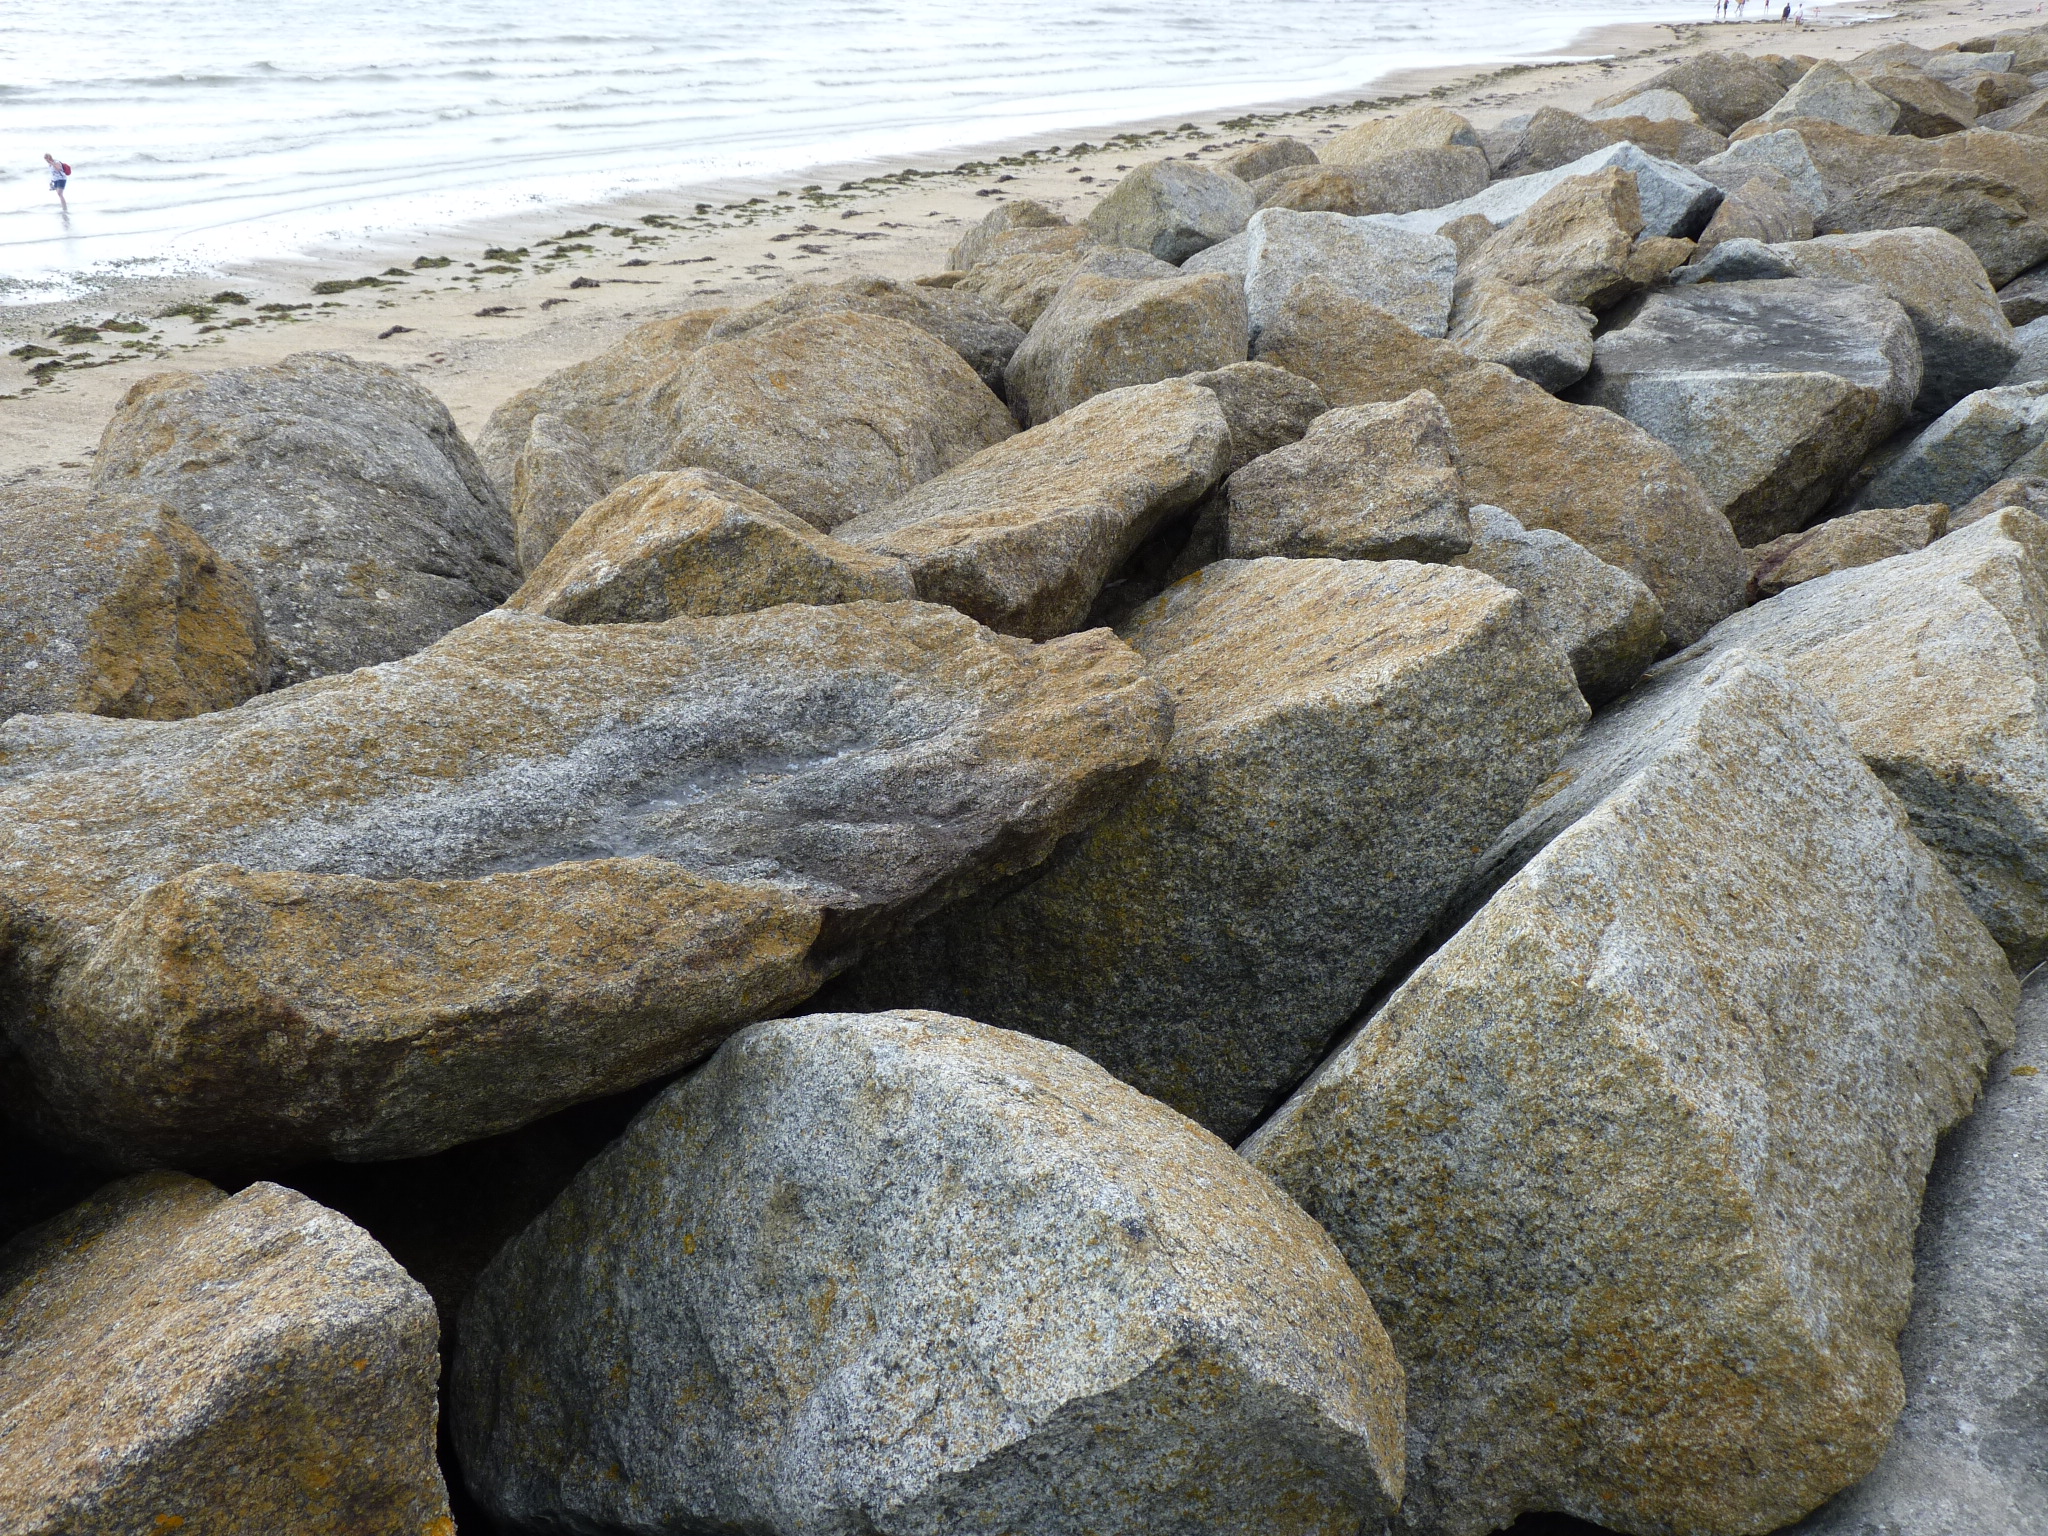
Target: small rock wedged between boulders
column 174, row 1357
column 694, row 544
column 2027, row 492
column 1934, row 662
column 341, row 490
column 1967, row 1456
column 1631, row 1165
column 1573, row 244
column 1410, row 276
column 1841, row 544
column 1366, row 482
column 1265, row 157
column 906, row 1274
column 114, row 606
column 382, row 914
column 1993, row 435
column 1172, row 209
column 1673, row 199
column 1347, row 734
column 1023, row 536
column 1104, row 333
column 2030, row 341
column 1597, row 479
column 1604, row 620
column 1524, row 330
column 828, row 416
column 1771, row 392
column 2025, row 298
column 1265, row 407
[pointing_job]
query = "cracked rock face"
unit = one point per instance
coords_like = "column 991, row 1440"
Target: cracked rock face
column 382, row 914
column 1631, row 1165
column 905, row 1274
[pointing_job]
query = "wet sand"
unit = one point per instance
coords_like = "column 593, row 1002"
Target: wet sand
column 476, row 323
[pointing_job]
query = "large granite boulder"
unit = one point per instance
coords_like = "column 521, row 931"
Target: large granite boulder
column 981, row 333
column 1603, row 619
column 1104, row 333
column 1544, row 140
column 1992, row 435
column 1399, row 183
column 1586, row 473
column 1726, row 89
column 1771, row 392
column 1842, row 544
column 1347, row 735
column 116, row 607
column 1573, row 244
column 1631, row 1165
column 1023, row 536
column 342, row 490
column 381, row 914
column 694, row 544
column 1935, row 664
column 1782, row 152
column 1968, row 1456
column 1830, row 92
column 1366, row 482
column 1265, row 407
column 1408, row 275
column 1673, row 199
column 1424, row 128
column 905, row 1274
column 1763, row 208
column 1023, row 284
column 1172, row 209
column 2027, row 492
column 984, row 241
column 1524, row 330
column 558, row 476
column 174, row 1358
column 1928, row 108
column 1997, row 220
column 828, row 416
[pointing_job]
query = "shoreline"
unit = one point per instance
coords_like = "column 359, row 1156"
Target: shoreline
column 476, row 330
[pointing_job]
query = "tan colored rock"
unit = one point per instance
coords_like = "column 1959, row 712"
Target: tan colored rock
column 1681, row 143
column 1347, row 735
column 1551, row 137
column 1395, row 183
column 1265, row 157
column 1023, row 536
column 382, row 914
column 1524, row 330
column 1424, row 128
column 983, row 336
column 980, row 243
column 693, row 543
column 1927, row 107
column 1171, row 209
column 1467, row 232
column 558, row 476
column 1023, row 283
column 2027, row 492
column 2027, row 114
column 1104, row 333
column 1266, row 407
column 1726, row 89
column 115, row 606
column 1841, row 544
column 1763, row 208
column 1631, row 1165
column 832, row 416
column 1573, row 245
column 1367, row 482
column 1989, row 215
column 1586, row 473
column 173, row 1358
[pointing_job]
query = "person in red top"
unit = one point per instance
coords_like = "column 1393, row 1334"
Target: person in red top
column 59, row 174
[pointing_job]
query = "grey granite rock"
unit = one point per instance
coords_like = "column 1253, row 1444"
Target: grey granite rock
column 1104, row 333
column 1771, row 392
column 1524, row 330
column 1762, row 208
column 342, row 490
column 1829, row 91
column 1366, row 482
column 1631, row 1165
column 1409, row 275
column 1658, row 104
column 1172, row 209
column 558, row 476
column 1266, row 407
column 2025, row 298
column 1603, row 619
column 981, row 243
column 1347, row 735
column 1396, row 183
column 905, row 1274
column 1784, row 151
column 1224, row 256
column 1739, row 260
column 1265, row 157
column 1981, row 439
column 1968, row 1456
column 1549, row 138
column 377, row 915
column 174, row 1358
column 1996, row 219
column 1673, row 199
column 2030, row 345
column 1726, row 89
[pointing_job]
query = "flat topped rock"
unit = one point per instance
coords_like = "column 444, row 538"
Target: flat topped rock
column 534, row 863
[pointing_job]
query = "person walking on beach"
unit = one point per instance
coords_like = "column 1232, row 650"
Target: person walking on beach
column 59, row 174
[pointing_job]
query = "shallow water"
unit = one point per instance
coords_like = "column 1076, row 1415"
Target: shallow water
column 200, row 130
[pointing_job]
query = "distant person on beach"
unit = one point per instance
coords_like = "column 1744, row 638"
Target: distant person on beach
column 59, row 174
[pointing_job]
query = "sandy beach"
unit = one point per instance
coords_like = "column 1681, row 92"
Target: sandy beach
column 486, row 310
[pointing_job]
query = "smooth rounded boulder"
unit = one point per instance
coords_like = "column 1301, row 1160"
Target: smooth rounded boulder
column 906, row 1274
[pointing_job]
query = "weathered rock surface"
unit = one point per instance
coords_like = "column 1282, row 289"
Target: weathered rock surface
column 175, row 1358
column 1630, row 1166
column 1590, row 475
column 1264, row 158
column 1223, row 256
column 1022, row 284
column 1927, row 107
column 2025, row 299
column 1408, row 275
column 1657, row 105
column 1398, row 183
column 2028, row 492
column 1573, row 244
column 1983, row 438
column 1367, row 482
column 1172, row 209
column 1673, row 199
column 385, row 913
column 1965, row 341
column 695, row 544
column 116, row 607
column 981, row 243
column 1680, row 143
column 1603, row 619
column 1830, row 92
column 1784, row 151
column 1105, row 333
column 981, row 333
column 1934, row 664
column 1023, row 537
column 1422, row 129
column 1524, row 330
column 1993, row 217
column 907, row 1274
column 2024, row 114
column 1265, row 407
column 558, row 476
column 1967, row 1456
column 1347, row 734
column 829, row 416
column 1726, row 89
column 1771, row 392
column 1547, row 138
column 342, row 490
column 1763, row 208
column 1841, row 544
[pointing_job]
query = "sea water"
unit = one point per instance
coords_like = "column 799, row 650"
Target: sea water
column 207, row 130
